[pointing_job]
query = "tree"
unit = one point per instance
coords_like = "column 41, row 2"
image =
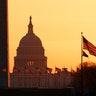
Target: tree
column 88, row 75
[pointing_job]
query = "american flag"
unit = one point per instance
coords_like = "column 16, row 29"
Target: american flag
column 16, row 70
column 89, row 46
column 4, row 69
column 57, row 69
column 84, row 54
column 39, row 70
column 27, row 70
column 49, row 70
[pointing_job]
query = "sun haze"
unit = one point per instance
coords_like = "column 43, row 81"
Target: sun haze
column 58, row 23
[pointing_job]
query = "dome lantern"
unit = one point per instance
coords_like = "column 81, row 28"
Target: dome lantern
column 30, row 26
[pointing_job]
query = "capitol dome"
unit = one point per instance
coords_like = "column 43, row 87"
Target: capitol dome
column 30, row 39
column 30, row 52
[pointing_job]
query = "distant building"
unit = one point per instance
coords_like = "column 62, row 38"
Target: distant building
column 30, row 52
column 30, row 65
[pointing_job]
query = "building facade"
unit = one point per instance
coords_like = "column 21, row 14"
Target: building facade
column 30, row 65
column 28, row 80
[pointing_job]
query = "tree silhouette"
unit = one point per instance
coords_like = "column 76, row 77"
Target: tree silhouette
column 88, row 75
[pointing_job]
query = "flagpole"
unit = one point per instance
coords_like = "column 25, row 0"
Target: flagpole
column 55, row 68
column 81, row 64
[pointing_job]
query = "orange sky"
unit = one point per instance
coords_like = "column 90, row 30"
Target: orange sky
column 58, row 23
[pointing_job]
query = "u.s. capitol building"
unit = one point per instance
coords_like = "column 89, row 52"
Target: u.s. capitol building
column 30, row 66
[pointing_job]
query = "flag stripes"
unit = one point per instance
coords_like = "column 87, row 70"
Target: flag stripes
column 89, row 46
column 84, row 54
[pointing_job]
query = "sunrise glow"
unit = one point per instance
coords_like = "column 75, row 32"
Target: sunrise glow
column 58, row 23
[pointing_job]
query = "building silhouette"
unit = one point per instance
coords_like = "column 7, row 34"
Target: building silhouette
column 30, row 53
column 30, row 66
